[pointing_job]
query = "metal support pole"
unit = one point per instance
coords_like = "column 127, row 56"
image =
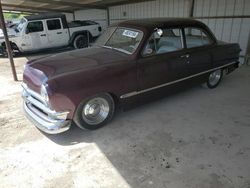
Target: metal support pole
column 7, row 43
column 108, row 17
column 247, row 55
column 74, row 16
column 88, row 37
column 191, row 11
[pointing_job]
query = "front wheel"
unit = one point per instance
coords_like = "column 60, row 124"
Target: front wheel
column 95, row 112
column 214, row 79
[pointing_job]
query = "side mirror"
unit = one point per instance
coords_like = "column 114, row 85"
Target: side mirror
column 148, row 51
column 27, row 31
column 159, row 32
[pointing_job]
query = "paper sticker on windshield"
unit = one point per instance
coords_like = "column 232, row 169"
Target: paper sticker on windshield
column 131, row 34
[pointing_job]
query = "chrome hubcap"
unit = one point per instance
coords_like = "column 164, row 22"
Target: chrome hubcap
column 95, row 111
column 214, row 77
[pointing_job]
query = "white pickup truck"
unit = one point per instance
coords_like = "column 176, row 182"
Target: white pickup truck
column 45, row 31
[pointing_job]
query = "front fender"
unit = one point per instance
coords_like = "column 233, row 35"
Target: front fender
column 71, row 89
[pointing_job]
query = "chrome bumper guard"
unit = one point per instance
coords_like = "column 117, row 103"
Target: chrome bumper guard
column 38, row 112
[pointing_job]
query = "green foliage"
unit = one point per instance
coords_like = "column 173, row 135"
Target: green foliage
column 10, row 16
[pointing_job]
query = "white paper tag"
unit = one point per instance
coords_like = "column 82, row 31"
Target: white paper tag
column 131, row 34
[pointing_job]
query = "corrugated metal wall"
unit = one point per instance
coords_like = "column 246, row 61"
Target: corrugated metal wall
column 69, row 16
column 158, row 8
column 100, row 16
column 231, row 28
column 211, row 12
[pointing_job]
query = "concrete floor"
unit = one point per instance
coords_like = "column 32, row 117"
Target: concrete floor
column 195, row 139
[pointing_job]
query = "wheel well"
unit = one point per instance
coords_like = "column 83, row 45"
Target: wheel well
column 81, row 33
column 85, row 33
column 115, row 98
column 12, row 44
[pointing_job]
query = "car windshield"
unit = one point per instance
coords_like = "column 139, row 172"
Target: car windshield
column 125, row 40
column 102, row 40
column 20, row 25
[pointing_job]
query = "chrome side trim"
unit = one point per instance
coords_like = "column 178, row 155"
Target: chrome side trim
column 173, row 82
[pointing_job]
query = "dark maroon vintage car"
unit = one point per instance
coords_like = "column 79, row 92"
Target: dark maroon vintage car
column 132, row 62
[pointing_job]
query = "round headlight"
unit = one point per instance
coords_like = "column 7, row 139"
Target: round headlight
column 44, row 93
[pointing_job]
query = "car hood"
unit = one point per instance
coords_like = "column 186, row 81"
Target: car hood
column 77, row 60
column 11, row 33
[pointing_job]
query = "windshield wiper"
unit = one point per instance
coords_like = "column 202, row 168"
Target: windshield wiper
column 122, row 50
column 117, row 49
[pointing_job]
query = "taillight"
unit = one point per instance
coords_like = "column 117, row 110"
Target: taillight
column 100, row 28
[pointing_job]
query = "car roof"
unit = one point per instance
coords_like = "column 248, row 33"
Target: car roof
column 44, row 16
column 152, row 23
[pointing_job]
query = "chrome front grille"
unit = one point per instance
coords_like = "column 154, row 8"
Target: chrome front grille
column 36, row 104
column 38, row 111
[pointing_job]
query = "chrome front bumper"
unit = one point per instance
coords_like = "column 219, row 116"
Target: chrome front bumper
column 43, row 117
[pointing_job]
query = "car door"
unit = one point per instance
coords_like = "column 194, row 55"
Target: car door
column 35, row 36
column 57, row 35
column 163, row 60
column 199, row 47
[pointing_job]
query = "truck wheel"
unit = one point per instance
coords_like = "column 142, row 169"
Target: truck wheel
column 80, row 41
column 5, row 54
column 214, row 79
column 95, row 112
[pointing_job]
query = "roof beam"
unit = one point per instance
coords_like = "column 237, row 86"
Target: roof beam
column 25, row 11
column 70, row 4
column 38, row 9
column 122, row 2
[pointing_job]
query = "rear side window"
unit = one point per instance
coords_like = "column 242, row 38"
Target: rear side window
column 196, row 37
column 54, row 24
column 35, row 27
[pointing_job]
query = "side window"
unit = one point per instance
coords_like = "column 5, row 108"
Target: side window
column 54, row 24
column 35, row 26
column 196, row 37
column 170, row 40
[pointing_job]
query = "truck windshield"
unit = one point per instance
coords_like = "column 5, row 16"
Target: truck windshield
column 125, row 40
column 20, row 25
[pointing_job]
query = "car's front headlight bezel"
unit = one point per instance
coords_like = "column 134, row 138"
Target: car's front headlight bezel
column 44, row 93
column 12, row 36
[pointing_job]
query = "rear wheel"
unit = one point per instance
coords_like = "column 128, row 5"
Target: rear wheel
column 80, row 41
column 214, row 79
column 95, row 112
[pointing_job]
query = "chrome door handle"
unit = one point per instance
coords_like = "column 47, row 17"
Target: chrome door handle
column 185, row 56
